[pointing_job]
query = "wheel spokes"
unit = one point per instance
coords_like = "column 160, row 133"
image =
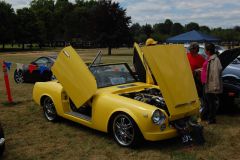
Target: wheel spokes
column 19, row 77
column 124, row 131
column 118, row 125
column 50, row 111
column 122, row 120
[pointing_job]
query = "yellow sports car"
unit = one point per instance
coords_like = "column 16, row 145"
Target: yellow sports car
column 109, row 98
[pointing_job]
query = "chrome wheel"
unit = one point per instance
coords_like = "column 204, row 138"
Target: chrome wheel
column 18, row 76
column 123, row 130
column 49, row 109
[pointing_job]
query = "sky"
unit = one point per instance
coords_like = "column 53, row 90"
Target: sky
column 212, row 13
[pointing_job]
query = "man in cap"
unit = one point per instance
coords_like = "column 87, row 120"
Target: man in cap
column 196, row 61
column 150, row 42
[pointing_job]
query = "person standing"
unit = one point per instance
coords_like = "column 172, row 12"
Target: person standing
column 212, row 82
column 196, row 61
column 150, row 42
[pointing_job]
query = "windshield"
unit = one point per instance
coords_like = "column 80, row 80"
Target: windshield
column 113, row 74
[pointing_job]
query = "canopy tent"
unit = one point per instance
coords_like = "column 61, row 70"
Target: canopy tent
column 192, row 36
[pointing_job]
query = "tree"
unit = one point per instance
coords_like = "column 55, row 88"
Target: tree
column 176, row 29
column 237, row 28
column 167, row 26
column 204, row 29
column 28, row 28
column 192, row 26
column 135, row 31
column 147, row 30
column 111, row 27
column 163, row 28
column 79, row 22
column 7, row 23
column 159, row 28
column 44, row 10
column 61, row 14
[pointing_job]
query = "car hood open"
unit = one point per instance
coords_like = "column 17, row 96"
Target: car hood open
column 75, row 77
column 228, row 56
column 171, row 70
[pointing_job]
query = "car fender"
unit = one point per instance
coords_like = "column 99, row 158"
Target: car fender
column 49, row 89
column 126, row 111
column 230, row 76
column 140, row 112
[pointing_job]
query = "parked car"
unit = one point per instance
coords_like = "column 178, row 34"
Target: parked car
column 231, row 74
column 231, row 77
column 25, row 75
column 108, row 98
column 2, row 141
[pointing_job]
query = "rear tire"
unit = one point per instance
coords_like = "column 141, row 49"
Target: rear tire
column 125, row 131
column 49, row 110
column 18, row 76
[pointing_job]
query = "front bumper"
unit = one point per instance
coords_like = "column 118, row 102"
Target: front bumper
column 161, row 135
column 176, row 128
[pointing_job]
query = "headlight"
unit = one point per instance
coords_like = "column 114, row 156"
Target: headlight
column 158, row 117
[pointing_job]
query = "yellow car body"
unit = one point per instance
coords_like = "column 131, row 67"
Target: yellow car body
column 76, row 86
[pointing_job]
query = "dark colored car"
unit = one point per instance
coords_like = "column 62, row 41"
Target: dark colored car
column 231, row 74
column 38, row 74
column 2, row 141
column 231, row 82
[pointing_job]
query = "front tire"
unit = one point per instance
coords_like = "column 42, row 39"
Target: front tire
column 49, row 110
column 125, row 131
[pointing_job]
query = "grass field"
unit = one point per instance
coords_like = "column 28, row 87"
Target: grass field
column 30, row 137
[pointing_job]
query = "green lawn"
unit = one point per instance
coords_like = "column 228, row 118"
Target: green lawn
column 30, row 137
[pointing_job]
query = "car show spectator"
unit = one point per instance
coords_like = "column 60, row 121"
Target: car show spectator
column 196, row 61
column 150, row 42
column 212, row 82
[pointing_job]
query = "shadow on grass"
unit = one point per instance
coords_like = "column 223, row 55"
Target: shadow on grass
column 113, row 55
column 169, row 145
column 163, row 145
column 82, row 128
column 28, row 49
column 231, row 111
column 14, row 103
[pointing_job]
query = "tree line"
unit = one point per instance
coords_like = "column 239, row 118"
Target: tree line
column 103, row 23
column 100, row 23
column 162, row 31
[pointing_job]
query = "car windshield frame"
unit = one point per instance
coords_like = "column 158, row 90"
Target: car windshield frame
column 48, row 60
column 127, row 71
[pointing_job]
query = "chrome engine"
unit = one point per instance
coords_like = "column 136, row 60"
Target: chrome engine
column 152, row 96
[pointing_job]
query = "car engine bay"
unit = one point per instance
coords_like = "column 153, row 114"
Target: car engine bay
column 152, row 96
